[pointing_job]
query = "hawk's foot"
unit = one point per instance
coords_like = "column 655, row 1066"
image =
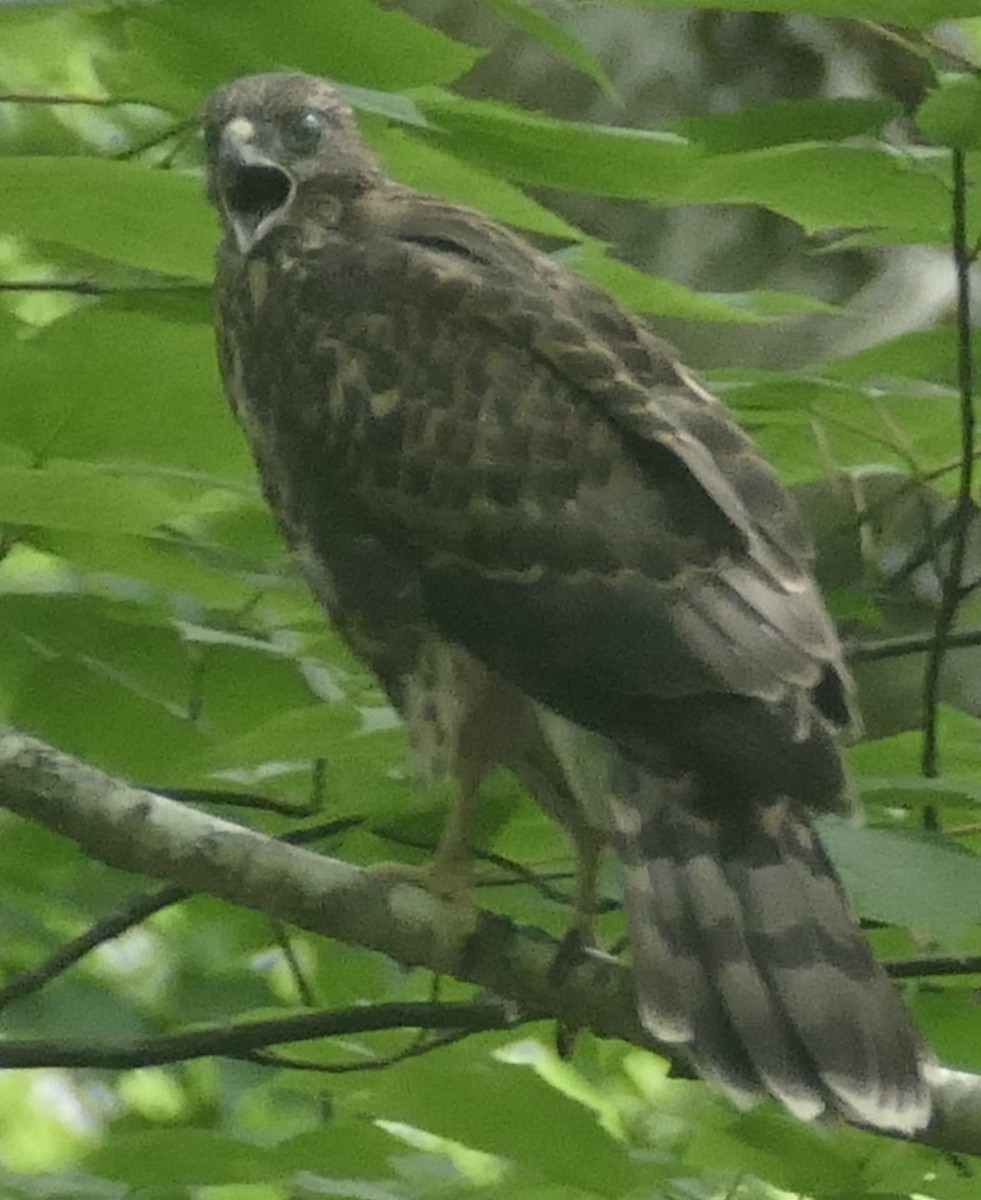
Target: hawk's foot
column 449, row 880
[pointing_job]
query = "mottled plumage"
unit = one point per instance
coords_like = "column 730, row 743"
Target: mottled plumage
column 560, row 555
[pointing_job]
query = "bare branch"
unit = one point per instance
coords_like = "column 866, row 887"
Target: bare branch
column 88, row 287
column 239, row 1040
column 96, row 935
column 138, row 831
column 898, row 647
column 921, row 968
column 951, row 593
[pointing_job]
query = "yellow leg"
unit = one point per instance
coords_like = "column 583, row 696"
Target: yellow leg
column 449, row 874
column 588, row 846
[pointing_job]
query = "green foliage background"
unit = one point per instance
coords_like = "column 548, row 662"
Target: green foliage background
column 151, row 623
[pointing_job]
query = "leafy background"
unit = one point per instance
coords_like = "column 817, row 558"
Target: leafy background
column 775, row 191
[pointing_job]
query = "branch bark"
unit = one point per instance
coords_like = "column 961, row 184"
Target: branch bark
column 136, row 830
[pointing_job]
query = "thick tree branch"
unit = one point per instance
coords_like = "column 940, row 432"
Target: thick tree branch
column 136, row 830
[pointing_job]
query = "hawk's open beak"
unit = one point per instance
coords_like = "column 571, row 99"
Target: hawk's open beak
column 254, row 191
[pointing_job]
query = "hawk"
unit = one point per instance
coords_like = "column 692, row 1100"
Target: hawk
column 561, row 556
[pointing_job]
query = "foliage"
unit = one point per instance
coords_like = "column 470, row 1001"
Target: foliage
column 150, row 622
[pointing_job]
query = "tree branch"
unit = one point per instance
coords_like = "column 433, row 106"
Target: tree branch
column 135, row 830
column 241, row 1039
column 917, row 643
column 951, row 593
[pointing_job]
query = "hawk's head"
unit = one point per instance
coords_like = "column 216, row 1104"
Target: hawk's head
column 272, row 141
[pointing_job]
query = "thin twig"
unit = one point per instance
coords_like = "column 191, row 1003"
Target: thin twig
column 964, row 509
column 899, row 647
column 134, row 913
column 304, row 988
column 110, row 927
column 968, row 830
column 919, row 968
column 240, row 1039
column 87, row 287
column 416, row 1048
column 177, row 131
column 62, row 98
column 283, row 808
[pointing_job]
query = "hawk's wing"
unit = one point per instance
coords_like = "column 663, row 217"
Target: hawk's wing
column 587, row 519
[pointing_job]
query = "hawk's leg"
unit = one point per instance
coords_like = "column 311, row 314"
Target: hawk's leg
column 449, row 873
column 580, row 936
column 588, row 845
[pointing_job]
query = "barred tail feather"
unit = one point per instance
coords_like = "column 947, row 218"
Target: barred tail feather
column 745, row 952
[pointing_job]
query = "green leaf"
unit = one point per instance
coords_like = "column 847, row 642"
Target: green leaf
column 81, row 709
column 924, row 354
column 128, row 380
column 788, row 121
column 174, row 53
column 550, row 33
column 657, row 296
column 951, row 113
column 914, row 14
column 510, row 1111
column 153, row 219
column 629, row 163
column 182, row 1156
column 419, row 163
column 822, row 187
column 82, row 497
column 788, row 1154
column 856, row 426
column 168, row 567
column 960, row 745
column 299, row 735
column 393, row 106
column 917, row 881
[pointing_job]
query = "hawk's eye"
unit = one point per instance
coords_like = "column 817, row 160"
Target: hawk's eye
column 302, row 133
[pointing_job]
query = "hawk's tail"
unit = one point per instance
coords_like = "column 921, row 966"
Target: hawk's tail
column 746, row 953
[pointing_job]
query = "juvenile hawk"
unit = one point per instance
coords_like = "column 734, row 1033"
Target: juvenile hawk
column 555, row 548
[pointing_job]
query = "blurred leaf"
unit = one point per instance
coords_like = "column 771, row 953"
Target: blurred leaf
column 858, row 426
column 182, row 1156
column 948, row 1017
column 550, row 33
column 960, row 741
column 790, row 1155
column 164, row 564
